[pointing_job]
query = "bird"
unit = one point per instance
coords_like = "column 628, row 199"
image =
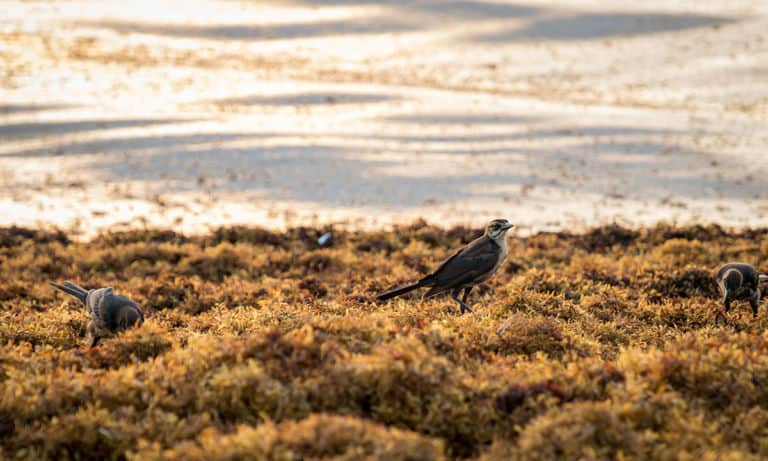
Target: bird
column 110, row 312
column 470, row 265
column 740, row 281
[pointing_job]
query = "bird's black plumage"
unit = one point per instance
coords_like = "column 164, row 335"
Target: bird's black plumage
column 470, row 265
column 739, row 281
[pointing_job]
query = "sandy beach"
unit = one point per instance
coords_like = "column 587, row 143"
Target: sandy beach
column 556, row 115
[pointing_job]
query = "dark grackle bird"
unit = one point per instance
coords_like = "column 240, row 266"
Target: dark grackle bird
column 473, row 264
column 110, row 313
column 740, row 281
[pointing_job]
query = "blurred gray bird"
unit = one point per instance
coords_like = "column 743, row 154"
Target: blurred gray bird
column 472, row 264
column 740, row 281
column 110, row 313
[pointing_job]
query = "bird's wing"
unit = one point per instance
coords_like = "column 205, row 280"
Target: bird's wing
column 99, row 303
column 750, row 274
column 471, row 248
column 431, row 277
column 466, row 265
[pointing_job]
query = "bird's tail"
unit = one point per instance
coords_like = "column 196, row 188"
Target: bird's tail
column 73, row 289
column 399, row 291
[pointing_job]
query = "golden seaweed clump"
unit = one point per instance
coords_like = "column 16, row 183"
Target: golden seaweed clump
column 266, row 346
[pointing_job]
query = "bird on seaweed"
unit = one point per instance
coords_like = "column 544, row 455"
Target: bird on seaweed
column 740, row 281
column 110, row 312
column 470, row 265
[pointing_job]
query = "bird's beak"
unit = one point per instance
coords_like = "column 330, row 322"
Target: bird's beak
column 508, row 226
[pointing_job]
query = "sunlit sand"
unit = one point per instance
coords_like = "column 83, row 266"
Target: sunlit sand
column 366, row 114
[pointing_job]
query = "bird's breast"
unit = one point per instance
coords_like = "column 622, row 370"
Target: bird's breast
column 504, row 247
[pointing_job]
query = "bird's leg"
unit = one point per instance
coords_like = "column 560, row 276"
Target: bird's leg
column 727, row 306
column 93, row 337
column 727, row 301
column 464, row 307
column 466, row 294
column 755, row 302
column 467, row 290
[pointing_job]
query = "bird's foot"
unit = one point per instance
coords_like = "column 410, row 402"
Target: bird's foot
column 466, row 308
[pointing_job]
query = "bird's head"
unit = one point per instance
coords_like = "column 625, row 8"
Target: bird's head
column 497, row 229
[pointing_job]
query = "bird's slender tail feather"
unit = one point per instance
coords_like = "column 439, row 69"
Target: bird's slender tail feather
column 399, row 291
column 77, row 287
column 73, row 289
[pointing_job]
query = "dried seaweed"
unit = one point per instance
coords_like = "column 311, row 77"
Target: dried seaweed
column 264, row 345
